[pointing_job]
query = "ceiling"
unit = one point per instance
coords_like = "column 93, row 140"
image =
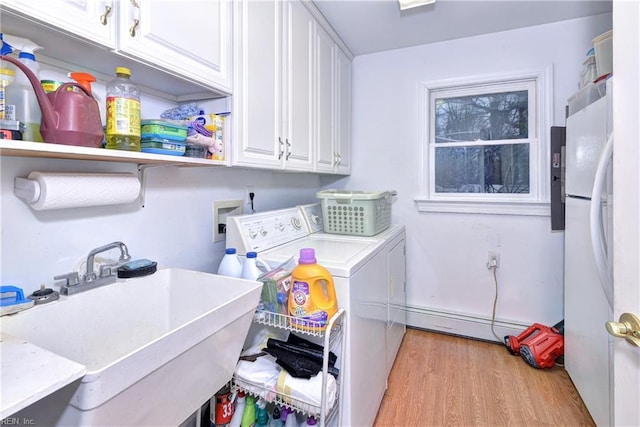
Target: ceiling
column 368, row 26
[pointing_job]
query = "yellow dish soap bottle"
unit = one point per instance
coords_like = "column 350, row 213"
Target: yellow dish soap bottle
column 312, row 298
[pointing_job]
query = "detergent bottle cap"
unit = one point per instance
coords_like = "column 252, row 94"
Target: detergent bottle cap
column 83, row 79
column 230, row 251
column 252, row 254
column 307, row 256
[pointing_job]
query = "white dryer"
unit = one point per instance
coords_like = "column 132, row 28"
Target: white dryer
column 369, row 276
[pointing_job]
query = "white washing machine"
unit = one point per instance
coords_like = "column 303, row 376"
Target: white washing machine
column 369, row 276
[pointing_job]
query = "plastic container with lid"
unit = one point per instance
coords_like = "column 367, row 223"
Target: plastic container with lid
column 162, row 146
column 589, row 72
column 312, row 299
column 163, row 129
column 252, row 268
column 603, row 47
column 21, row 95
column 230, row 265
column 123, row 112
column 6, row 78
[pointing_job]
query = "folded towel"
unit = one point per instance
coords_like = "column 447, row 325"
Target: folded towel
column 259, row 377
column 307, row 391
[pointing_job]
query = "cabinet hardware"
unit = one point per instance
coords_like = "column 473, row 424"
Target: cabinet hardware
column 105, row 15
column 288, row 149
column 281, row 148
column 132, row 30
column 136, row 19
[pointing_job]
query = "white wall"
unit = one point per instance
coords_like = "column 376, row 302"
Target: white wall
column 174, row 228
column 449, row 287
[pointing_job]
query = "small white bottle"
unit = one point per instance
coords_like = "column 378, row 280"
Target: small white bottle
column 250, row 269
column 230, row 265
column 236, row 418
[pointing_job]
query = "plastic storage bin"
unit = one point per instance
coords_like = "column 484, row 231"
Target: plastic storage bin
column 163, row 146
column 163, row 129
column 357, row 213
column 587, row 95
column 603, row 46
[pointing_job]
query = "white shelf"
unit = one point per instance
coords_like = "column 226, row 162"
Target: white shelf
column 332, row 335
column 60, row 151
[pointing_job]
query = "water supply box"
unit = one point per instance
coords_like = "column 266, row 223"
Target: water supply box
column 357, row 213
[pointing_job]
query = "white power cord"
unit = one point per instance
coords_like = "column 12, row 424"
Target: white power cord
column 494, row 267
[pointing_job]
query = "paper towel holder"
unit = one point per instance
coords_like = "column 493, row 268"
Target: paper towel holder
column 27, row 189
column 35, row 190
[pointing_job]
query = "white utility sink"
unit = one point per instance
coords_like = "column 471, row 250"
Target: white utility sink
column 155, row 348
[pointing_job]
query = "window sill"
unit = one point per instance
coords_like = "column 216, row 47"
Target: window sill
column 484, row 207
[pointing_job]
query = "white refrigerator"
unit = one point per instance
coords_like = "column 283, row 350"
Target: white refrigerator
column 588, row 278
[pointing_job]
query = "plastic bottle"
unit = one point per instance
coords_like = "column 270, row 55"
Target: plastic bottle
column 123, row 112
column 221, row 407
column 289, row 418
column 312, row 298
column 6, row 78
column 250, row 269
column 230, row 265
column 249, row 413
column 236, row 419
column 20, row 94
column 276, row 420
column 262, row 417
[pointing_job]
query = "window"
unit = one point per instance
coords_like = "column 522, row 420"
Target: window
column 485, row 146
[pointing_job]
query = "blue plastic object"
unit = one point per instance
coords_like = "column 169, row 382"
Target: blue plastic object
column 12, row 300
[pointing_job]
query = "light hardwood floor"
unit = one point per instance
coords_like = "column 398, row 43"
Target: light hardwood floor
column 443, row 380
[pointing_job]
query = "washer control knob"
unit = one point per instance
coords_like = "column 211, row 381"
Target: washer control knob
column 263, row 232
column 295, row 221
column 315, row 218
column 252, row 234
column 280, row 226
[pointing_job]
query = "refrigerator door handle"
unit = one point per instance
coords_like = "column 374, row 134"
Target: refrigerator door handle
column 595, row 221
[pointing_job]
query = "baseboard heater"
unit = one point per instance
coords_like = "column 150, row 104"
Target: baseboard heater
column 459, row 323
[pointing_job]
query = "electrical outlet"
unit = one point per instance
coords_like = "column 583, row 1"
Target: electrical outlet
column 248, row 197
column 493, row 260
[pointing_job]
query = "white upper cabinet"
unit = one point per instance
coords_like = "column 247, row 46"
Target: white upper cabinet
column 333, row 101
column 190, row 39
column 90, row 19
column 284, row 104
column 273, row 92
column 342, row 147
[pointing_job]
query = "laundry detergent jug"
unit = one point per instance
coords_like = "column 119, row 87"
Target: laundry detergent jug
column 312, row 298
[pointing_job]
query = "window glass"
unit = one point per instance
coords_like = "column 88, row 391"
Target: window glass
column 485, row 117
column 500, row 168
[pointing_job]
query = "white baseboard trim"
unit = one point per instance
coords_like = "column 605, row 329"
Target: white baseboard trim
column 460, row 324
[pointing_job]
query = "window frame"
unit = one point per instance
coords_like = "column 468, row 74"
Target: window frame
column 536, row 202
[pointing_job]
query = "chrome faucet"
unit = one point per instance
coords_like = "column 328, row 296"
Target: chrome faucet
column 107, row 274
column 105, row 270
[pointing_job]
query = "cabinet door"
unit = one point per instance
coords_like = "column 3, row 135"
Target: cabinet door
column 93, row 20
column 257, row 139
column 343, row 113
column 299, row 120
column 325, row 90
column 189, row 37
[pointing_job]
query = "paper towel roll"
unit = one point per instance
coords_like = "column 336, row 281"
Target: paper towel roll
column 74, row 190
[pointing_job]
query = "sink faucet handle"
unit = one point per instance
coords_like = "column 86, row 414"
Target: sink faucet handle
column 107, row 270
column 70, row 279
